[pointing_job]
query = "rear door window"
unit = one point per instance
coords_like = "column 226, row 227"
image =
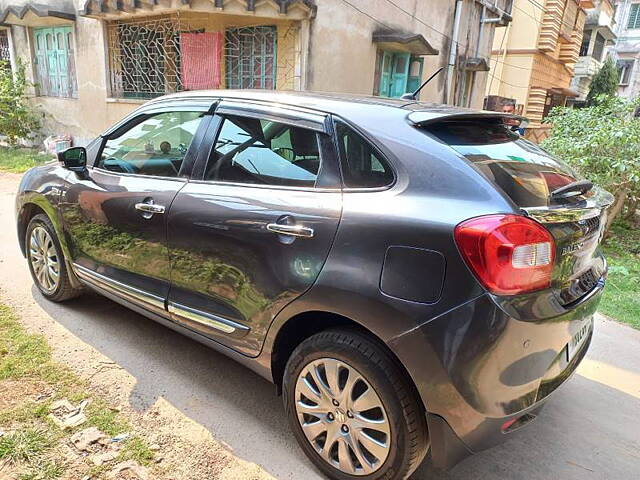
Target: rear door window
column 521, row 169
column 263, row 152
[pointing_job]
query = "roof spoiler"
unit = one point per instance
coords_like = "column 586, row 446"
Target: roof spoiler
column 424, row 118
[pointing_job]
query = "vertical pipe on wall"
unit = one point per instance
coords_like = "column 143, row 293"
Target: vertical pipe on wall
column 453, row 52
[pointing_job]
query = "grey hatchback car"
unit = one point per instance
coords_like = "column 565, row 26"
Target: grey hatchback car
column 414, row 278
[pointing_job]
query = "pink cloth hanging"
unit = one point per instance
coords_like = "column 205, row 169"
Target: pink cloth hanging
column 201, row 54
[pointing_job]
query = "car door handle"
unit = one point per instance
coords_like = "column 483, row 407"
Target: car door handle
column 150, row 208
column 292, row 230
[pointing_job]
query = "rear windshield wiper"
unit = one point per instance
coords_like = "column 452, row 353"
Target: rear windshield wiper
column 573, row 188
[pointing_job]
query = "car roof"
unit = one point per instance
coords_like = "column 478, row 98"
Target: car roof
column 334, row 103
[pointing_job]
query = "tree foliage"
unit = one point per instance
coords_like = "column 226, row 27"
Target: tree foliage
column 602, row 142
column 18, row 119
column 605, row 82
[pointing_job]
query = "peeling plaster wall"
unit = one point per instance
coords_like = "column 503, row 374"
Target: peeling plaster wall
column 343, row 56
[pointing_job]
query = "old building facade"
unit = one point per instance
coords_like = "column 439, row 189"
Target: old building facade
column 597, row 39
column 93, row 61
column 534, row 56
column 627, row 48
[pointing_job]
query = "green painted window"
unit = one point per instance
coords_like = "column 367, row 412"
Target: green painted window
column 54, row 61
column 397, row 73
column 250, row 54
column 634, row 16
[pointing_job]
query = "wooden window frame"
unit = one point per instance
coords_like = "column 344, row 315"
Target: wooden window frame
column 384, row 80
column 53, row 81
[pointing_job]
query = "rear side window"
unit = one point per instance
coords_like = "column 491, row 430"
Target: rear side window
column 253, row 151
column 362, row 165
column 521, row 169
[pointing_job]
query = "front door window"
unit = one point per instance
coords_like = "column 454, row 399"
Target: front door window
column 156, row 146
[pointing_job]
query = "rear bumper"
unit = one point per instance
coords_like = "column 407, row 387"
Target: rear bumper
column 483, row 374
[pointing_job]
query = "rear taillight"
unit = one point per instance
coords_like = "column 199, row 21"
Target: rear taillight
column 509, row 254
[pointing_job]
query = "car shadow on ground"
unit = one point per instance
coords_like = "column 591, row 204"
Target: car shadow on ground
column 577, row 436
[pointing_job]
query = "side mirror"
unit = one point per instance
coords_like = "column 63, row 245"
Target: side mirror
column 74, row 159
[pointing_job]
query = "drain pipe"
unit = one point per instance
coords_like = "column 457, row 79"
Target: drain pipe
column 453, row 53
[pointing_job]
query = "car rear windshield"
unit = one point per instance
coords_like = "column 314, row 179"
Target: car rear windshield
column 520, row 168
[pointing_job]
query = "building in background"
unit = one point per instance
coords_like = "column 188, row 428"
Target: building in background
column 534, row 56
column 93, row 61
column 598, row 37
column 627, row 48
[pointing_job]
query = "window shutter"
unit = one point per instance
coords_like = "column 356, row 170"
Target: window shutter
column 62, row 61
column 53, row 54
column 634, row 16
column 400, row 74
column 385, row 74
column 415, row 73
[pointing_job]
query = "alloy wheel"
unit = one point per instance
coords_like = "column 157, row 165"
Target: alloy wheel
column 44, row 259
column 342, row 416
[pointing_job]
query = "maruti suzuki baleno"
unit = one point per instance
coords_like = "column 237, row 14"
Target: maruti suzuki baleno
column 412, row 277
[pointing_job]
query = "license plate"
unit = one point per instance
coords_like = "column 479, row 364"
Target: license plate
column 578, row 339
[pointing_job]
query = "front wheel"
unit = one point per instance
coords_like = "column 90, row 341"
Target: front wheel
column 352, row 409
column 46, row 260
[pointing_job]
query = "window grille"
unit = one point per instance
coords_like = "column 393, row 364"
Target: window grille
column 251, row 57
column 5, row 55
column 153, row 56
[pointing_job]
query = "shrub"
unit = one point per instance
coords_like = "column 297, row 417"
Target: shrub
column 605, row 82
column 602, row 142
column 18, row 119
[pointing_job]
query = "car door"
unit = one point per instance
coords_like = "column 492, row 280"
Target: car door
column 251, row 230
column 115, row 215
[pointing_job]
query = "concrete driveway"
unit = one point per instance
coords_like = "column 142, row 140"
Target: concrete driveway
column 590, row 429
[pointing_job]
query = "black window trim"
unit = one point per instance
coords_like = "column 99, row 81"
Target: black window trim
column 147, row 111
column 264, row 112
column 376, row 147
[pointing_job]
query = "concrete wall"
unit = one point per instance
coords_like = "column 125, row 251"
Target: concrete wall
column 343, row 57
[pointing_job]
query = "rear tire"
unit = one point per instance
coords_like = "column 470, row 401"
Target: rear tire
column 352, row 409
column 46, row 261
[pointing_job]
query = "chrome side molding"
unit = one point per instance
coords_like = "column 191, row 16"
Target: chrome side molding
column 204, row 322
column 128, row 292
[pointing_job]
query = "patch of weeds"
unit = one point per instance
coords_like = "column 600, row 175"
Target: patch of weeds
column 18, row 160
column 621, row 300
column 96, row 471
column 135, row 448
column 24, row 445
column 25, row 413
column 34, row 439
column 107, row 420
column 44, row 470
column 27, row 355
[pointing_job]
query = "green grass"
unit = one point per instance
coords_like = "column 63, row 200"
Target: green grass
column 31, row 440
column 136, row 449
column 105, row 419
column 24, row 445
column 19, row 160
column 621, row 299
